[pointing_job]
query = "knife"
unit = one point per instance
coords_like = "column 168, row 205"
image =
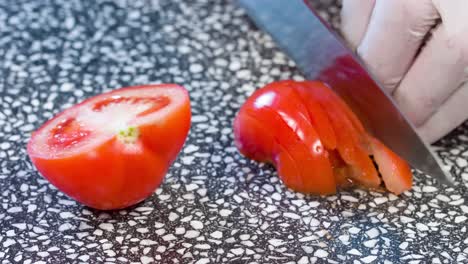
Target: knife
column 321, row 54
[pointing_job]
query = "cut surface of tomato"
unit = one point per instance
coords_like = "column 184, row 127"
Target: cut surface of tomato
column 396, row 173
column 112, row 150
column 314, row 140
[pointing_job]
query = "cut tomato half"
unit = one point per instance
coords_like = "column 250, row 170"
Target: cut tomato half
column 113, row 150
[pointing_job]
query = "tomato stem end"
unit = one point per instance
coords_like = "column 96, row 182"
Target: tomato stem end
column 128, row 135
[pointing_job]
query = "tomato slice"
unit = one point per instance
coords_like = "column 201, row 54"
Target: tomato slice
column 113, row 150
column 349, row 141
column 396, row 173
column 256, row 142
column 345, row 135
column 318, row 116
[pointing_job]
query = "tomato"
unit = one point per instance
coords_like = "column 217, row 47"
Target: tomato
column 113, row 150
column 280, row 110
column 349, row 134
column 396, row 173
column 318, row 116
column 314, row 140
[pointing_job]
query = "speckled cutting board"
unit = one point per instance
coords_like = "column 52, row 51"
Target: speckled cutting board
column 215, row 206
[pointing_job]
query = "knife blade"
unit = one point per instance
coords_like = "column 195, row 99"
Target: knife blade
column 321, row 54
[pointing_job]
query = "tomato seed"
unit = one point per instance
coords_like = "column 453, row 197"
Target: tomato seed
column 67, row 133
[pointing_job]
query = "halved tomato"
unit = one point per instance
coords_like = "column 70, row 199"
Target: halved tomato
column 113, row 150
column 314, row 139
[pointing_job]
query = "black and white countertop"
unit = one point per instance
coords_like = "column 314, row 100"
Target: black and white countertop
column 214, row 206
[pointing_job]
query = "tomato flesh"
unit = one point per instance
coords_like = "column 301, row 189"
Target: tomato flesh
column 156, row 103
column 113, row 150
column 396, row 173
column 67, row 133
column 280, row 110
column 314, row 140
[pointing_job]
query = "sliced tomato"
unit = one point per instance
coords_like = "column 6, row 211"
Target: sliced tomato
column 345, row 135
column 318, row 116
column 316, row 174
column 113, row 150
column 253, row 139
column 314, row 139
column 278, row 109
column 256, row 142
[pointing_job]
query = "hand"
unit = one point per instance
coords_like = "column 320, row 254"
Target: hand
column 418, row 51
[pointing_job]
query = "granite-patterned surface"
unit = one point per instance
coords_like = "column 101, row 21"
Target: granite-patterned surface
column 215, row 206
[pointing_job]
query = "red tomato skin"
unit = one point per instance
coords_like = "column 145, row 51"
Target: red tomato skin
column 256, row 142
column 351, row 142
column 168, row 136
column 107, row 178
column 302, row 163
column 116, row 175
column 317, row 115
column 299, row 167
column 252, row 139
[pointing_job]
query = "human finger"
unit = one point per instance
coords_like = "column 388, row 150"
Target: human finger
column 396, row 30
column 437, row 73
column 355, row 16
column 448, row 117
